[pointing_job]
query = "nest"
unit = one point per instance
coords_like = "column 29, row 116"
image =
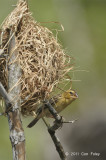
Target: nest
column 41, row 58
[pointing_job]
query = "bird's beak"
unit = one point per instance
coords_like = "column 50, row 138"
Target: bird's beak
column 75, row 95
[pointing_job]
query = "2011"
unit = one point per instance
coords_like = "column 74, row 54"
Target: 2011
column 74, row 153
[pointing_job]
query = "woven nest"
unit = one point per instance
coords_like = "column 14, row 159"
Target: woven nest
column 40, row 57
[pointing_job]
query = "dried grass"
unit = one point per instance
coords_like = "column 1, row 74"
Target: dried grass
column 41, row 58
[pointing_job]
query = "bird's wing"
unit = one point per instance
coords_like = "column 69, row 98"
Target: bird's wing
column 52, row 101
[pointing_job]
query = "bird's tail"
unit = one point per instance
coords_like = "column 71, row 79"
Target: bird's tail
column 33, row 122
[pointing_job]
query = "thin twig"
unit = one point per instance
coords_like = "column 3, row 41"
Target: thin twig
column 47, row 125
column 70, row 121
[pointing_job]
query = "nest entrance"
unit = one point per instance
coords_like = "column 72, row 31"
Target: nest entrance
column 41, row 58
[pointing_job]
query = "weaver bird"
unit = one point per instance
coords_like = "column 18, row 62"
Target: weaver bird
column 59, row 102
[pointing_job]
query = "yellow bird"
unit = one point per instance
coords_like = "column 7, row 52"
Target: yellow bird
column 59, row 102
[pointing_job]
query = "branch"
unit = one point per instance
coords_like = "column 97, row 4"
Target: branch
column 51, row 129
column 58, row 145
column 15, row 125
column 54, row 113
column 4, row 94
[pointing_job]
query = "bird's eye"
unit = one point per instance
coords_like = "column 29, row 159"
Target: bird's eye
column 71, row 93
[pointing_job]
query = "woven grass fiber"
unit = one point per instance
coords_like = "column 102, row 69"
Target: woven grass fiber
column 41, row 58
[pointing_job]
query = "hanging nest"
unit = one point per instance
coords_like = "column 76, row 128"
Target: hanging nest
column 41, row 58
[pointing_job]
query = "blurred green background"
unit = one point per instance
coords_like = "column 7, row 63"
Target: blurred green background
column 84, row 38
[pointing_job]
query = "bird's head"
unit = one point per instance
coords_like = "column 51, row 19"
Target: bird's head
column 70, row 94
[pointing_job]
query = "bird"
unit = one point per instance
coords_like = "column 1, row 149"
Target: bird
column 59, row 102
